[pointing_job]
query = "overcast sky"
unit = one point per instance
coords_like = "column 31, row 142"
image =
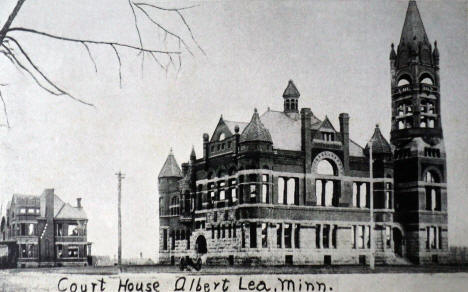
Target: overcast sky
column 335, row 51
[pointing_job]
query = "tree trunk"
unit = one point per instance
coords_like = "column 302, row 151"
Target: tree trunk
column 10, row 19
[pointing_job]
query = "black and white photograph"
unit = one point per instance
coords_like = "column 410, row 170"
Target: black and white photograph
column 229, row 146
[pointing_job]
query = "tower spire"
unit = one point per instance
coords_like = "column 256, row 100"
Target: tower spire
column 413, row 30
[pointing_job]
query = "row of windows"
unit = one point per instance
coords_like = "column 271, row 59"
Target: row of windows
column 70, row 229
column 406, row 108
column 431, row 152
column 426, row 122
column 221, row 146
column 24, row 229
column 28, row 251
column 29, row 211
column 70, row 251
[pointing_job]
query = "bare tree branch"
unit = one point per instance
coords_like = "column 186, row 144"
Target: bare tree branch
column 178, row 11
column 120, row 64
column 51, row 83
column 23, row 29
column 90, row 56
column 165, row 29
column 11, row 17
column 135, row 19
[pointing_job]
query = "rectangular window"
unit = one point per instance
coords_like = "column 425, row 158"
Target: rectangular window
column 317, row 235
column 440, row 238
column 264, row 235
column 367, row 234
column 318, row 192
column 253, row 234
column 281, row 190
column 297, row 236
column 31, row 229
column 23, row 211
column 334, row 235
column 219, row 231
column 212, row 232
column 72, row 229
column 253, row 193
column 353, row 236
column 265, row 194
column 59, row 251
column 360, row 235
column 326, row 236
column 234, row 230
column 164, row 239
column 31, row 211
column 287, row 235
column 433, row 238
column 291, row 191
column 279, row 235
column 229, row 231
column 73, row 251
column 242, row 235
column 224, row 231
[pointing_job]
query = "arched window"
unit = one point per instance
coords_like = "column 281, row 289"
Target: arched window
column 401, row 125
column 325, row 168
column 291, row 191
column 222, row 136
column 433, row 197
column 355, row 195
column 426, row 79
column 281, row 190
column 318, row 192
column 404, row 80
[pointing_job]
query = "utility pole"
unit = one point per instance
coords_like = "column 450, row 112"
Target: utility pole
column 120, row 177
column 371, row 203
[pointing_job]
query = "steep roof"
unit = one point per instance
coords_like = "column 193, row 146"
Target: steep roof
column 413, row 30
column 355, row 149
column 170, row 167
column 379, row 143
column 291, row 90
column 326, row 125
column 255, row 131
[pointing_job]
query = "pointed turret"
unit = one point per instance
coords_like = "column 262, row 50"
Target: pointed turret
column 170, row 168
column 413, row 30
column 193, row 156
column 392, row 53
column 291, row 98
column 380, row 145
column 255, row 131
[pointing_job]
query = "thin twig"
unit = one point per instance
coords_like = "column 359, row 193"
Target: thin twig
column 90, row 56
column 165, row 29
column 130, row 3
column 120, row 64
column 178, row 11
column 5, row 110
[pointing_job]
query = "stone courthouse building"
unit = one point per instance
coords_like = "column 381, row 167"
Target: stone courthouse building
column 289, row 188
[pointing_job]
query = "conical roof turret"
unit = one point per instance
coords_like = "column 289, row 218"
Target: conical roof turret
column 255, row 131
column 170, row 168
column 379, row 144
column 291, row 90
column 413, row 30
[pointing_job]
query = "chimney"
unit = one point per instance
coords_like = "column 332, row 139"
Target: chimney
column 49, row 204
column 344, row 129
column 78, row 203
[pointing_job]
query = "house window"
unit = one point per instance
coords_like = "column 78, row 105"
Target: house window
column 265, row 189
column 318, row 228
column 73, row 229
column 360, row 236
column 279, row 234
column 73, row 251
column 253, row 193
column 242, row 235
column 318, row 191
column 264, row 235
column 23, row 211
column 431, row 242
column 326, row 236
column 291, row 191
column 287, row 235
column 297, row 236
column 433, row 197
column 334, row 235
column 31, row 211
column 253, row 234
column 355, row 195
column 31, row 229
column 59, row 251
column 281, row 189
column 164, row 239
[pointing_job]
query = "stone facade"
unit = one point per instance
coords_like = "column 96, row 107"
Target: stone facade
column 289, row 188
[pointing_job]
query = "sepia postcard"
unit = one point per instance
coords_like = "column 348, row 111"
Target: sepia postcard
column 233, row 146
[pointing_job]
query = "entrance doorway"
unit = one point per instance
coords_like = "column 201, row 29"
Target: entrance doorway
column 200, row 245
column 398, row 241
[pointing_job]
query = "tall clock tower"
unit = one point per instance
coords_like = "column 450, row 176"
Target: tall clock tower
column 417, row 137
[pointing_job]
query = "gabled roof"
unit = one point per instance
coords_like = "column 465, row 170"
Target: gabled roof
column 379, row 143
column 291, row 90
column 170, row 167
column 67, row 211
column 355, row 149
column 413, row 30
column 326, row 125
column 255, row 131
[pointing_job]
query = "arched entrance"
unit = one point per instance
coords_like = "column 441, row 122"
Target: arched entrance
column 398, row 241
column 200, row 245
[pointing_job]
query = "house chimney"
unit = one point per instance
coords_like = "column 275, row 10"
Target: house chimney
column 78, row 202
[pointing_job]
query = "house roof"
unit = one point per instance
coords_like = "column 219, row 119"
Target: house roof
column 379, row 143
column 170, row 167
column 67, row 211
column 25, row 200
column 413, row 30
column 255, row 130
column 355, row 149
column 285, row 132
